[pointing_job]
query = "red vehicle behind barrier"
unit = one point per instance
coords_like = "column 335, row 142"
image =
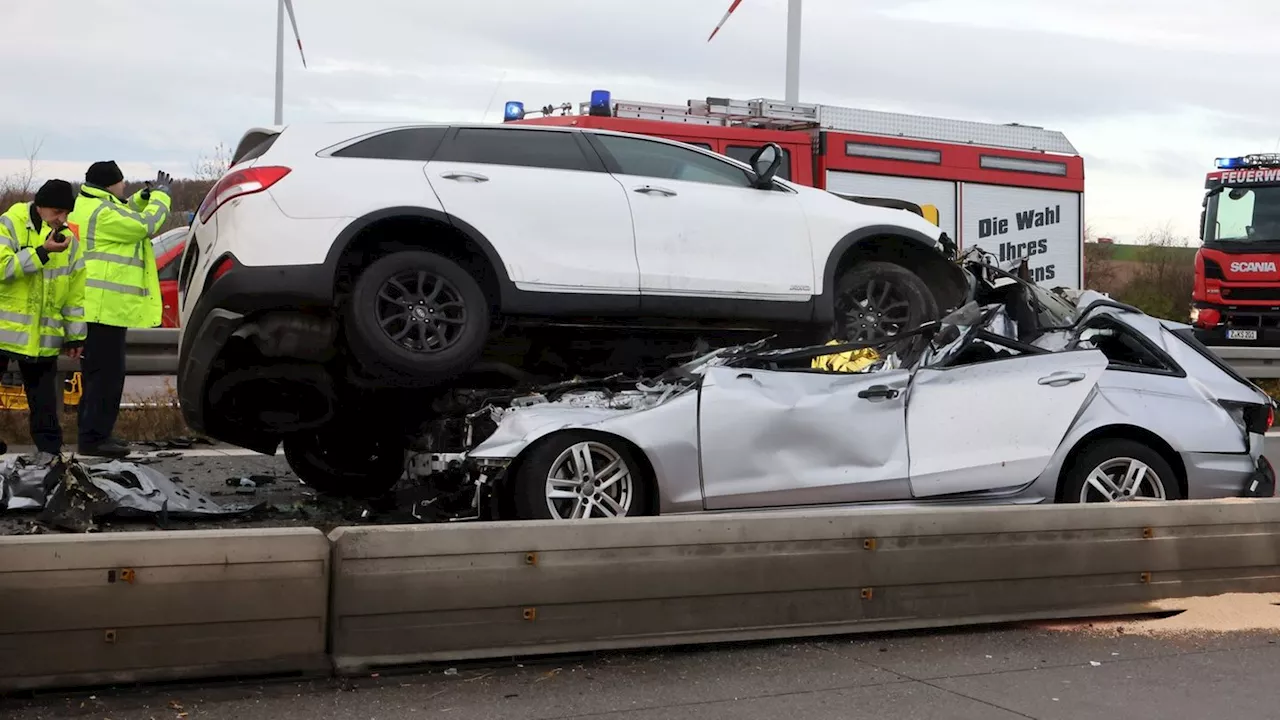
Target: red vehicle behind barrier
column 168, row 247
column 1236, row 296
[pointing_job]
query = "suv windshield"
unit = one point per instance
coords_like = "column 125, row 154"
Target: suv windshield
column 1244, row 214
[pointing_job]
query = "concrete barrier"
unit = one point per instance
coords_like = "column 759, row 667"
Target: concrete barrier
column 404, row 595
column 148, row 606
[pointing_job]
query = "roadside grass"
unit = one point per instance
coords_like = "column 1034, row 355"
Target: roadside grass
column 147, row 418
column 1270, row 387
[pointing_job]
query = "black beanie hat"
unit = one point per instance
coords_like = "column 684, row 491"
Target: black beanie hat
column 104, row 173
column 57, row 195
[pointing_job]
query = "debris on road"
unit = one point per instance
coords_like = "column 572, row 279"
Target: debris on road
column 73, row 496
column 1232, row 612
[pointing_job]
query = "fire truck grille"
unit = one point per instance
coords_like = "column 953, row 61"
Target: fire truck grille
column 1251, row 293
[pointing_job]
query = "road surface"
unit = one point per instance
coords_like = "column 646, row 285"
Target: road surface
column 1004, row 673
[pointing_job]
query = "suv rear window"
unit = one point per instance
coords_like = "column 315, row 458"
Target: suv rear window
column 407, row 144
column 549, row 149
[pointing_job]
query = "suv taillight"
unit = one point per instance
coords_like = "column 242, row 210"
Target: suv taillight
column 237, row 183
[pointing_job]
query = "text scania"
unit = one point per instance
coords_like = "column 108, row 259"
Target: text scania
column 1025, row 220
column 1253, row 267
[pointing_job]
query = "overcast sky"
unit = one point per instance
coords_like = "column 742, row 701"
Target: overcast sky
column 1150, row 91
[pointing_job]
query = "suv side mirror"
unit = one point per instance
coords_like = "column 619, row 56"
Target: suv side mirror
column 765, row 163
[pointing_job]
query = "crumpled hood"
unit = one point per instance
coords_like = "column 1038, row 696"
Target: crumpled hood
column 519, row 424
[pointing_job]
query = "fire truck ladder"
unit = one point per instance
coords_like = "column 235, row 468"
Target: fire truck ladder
column 776, row 115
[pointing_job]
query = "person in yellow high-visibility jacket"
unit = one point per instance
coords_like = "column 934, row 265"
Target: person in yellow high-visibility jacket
column 122, row 291
column 41, row 302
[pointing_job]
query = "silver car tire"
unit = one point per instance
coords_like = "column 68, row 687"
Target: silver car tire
column 1119, row 470
column 573, row 476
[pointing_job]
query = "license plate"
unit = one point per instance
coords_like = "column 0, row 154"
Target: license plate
column 1242, row 334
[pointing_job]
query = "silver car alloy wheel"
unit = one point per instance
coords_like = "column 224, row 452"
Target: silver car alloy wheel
column 589, row 479
column 1122, row 480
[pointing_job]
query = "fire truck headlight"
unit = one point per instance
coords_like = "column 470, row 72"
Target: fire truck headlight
column 1195, row 315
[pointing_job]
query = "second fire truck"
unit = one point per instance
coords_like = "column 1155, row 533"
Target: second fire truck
column 1236, row 295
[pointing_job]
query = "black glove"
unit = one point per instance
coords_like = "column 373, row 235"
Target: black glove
column 162, row 183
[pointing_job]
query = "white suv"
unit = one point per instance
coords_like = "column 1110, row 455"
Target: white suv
column 340, row 271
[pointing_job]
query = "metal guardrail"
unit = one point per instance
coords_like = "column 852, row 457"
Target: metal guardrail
column 117, row 608
column 1255, row 363
column 150, row 351
column 138, row 607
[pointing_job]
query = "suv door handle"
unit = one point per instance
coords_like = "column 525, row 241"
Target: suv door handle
column 655, row 190
column 1062, row 378
column 455, row 175
column 878, row 392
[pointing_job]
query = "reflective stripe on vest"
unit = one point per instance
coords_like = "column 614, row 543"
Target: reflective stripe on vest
column 72, row 312
column 115, row 287
column 153, row 222
column 13, row 337
column 79, row 328
column 113, row 258
column 12, row 241
column 15, row 317
column 50, row 341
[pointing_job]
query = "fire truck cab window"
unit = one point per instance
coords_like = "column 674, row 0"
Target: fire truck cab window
column 644, row 158
column 743, row 153
column 1244, row 214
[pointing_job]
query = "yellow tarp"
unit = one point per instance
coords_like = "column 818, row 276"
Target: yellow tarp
column 849, row 361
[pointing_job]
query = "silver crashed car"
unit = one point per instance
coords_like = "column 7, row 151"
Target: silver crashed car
column 1022, row 397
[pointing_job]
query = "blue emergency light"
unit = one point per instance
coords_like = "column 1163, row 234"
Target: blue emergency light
column 513, row 111
column 1255, row 160
column 601, row 103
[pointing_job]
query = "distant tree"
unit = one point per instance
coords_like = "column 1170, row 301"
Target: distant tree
column 1100, row 271
column 1162, row 281
column 209, row 167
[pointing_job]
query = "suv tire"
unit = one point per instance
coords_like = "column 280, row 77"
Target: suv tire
column 346, row 461
column 417, row 315
column 875, row 300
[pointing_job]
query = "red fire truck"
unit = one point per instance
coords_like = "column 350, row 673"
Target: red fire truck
column 1236, row 296
column 1013, row 190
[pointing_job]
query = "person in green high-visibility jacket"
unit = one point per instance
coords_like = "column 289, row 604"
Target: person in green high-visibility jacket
column 122, row 291
column 42, row 274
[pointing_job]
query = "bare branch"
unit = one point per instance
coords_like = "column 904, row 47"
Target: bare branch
column 214, row 165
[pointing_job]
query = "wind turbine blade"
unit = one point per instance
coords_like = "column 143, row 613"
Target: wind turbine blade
column 725, row 19
column 288, row 5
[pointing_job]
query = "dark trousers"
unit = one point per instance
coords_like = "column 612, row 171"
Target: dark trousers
column 103, row 370
column 40, row 383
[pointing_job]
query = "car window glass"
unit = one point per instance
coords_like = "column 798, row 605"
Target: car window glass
column 644, row 158
column 167, row 241
column 1123, row 349
column 552, row 149
column 743, row 153
column 169, row 271
column 407, row 144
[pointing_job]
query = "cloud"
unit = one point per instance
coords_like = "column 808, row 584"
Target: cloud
column 1145, row 88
